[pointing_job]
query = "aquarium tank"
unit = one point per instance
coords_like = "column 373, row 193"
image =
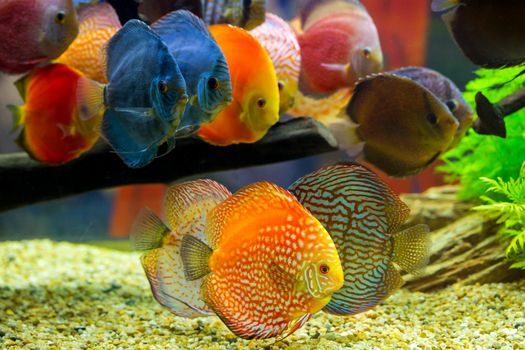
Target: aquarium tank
column 265, row 174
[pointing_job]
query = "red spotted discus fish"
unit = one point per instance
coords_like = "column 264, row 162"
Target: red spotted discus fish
column 262, row 262
column 98, row 23
column 34, row 31
column 280, row 41
column 363, row 216
column 52, row 131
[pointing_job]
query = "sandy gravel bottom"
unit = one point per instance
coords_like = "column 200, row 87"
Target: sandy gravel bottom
column 66, row 296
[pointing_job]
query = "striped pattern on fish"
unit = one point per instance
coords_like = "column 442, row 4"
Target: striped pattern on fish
column 279, row 40
column 362, row 216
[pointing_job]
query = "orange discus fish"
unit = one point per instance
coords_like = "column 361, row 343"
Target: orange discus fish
column 255, row 105
column 263, row 262
column 98, row 23
column 52, row 131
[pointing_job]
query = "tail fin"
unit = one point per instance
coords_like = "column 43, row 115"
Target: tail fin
column 90, row 98
column 148, row 232
column 411, row 248
column 195, row 257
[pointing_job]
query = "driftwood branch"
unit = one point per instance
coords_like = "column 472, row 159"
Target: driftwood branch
column 490, row 115
column 24, row 181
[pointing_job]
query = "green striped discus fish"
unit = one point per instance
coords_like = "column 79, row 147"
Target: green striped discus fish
column 363, row 217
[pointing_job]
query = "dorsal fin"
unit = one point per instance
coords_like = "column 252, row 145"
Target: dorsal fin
column 187, row 206
column 177, row 22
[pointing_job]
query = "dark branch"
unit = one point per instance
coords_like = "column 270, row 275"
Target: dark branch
column 24, row 181
column 490, row 115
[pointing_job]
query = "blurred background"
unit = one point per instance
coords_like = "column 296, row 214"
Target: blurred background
column 410, row 35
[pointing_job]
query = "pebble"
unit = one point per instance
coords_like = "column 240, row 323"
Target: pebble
column 71, row 296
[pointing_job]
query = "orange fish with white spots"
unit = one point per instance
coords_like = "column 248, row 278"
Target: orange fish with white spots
column 98, row 23
column 258, row 259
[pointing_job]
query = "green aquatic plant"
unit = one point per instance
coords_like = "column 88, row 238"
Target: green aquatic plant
column 479, row 156
column 510, row 212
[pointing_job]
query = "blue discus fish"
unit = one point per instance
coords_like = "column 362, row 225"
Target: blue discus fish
column 202, row 64
column 363, row 217
column 144, row 99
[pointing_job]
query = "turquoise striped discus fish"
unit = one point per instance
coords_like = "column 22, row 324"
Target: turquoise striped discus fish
column 363, row 217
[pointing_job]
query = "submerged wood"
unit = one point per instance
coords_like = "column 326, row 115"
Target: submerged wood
column 24, row 181
column 465, row 246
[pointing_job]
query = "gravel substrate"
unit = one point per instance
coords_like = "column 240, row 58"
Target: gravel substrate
column 66, row 296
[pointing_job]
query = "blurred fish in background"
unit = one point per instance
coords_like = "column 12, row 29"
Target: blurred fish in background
column 246, row 14
column 34, row 32
column 486, row 31
column 339, row 44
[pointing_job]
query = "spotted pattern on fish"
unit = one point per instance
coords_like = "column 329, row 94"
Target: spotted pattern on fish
column 279, row 40
column 361, row 213
column 265, row 242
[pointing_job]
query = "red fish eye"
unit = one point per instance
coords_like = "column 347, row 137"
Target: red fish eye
column 213, row 84
column 60, row 17
column 324, row 269
column 261, row 103
column 280, row 85
column 163, row 86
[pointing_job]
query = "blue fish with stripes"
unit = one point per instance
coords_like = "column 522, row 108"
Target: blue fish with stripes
column 145, row 98
column 363, row 216
column 202, row 64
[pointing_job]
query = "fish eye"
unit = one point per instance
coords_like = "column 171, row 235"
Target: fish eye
column 261, row 103
column 213, row 83
column 280, row 85
column 163, row 86
column 60, row 17
column 367, row 52
column 452, row 105
column 324, row 269
column 432, row 118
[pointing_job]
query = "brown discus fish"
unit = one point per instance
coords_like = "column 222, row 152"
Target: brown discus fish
column 489, row 32
column 403, row 126
column 446, row 91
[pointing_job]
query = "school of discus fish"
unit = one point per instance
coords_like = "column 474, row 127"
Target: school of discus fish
column 266, row 259
column 221, row 71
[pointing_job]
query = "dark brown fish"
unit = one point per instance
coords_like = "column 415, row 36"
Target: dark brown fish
column 403, row 126
column 489, row 32
column 446, row 91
